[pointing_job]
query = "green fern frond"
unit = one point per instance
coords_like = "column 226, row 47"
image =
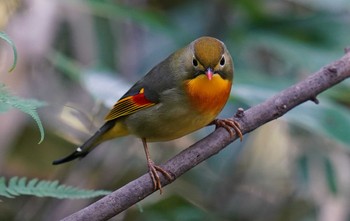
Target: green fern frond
column 28, row 106
column 10, row 42
column 43, row 188
column 3, row 188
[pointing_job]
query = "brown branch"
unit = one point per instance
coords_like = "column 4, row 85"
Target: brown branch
column 249, row 120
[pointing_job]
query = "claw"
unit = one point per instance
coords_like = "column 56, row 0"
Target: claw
column 229, row 124
column 153, row 170
column 155, row 177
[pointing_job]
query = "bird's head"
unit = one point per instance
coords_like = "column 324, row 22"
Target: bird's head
column 210, row 57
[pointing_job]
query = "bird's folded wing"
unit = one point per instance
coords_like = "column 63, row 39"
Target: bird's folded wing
column 129, row 105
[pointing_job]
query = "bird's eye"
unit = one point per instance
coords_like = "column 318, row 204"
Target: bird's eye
column 195, row 62
column 222, row 61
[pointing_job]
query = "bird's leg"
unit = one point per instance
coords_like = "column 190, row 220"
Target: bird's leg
column 229, row 124
column 154, row 168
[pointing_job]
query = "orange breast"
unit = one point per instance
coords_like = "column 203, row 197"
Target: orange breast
column 208, row 96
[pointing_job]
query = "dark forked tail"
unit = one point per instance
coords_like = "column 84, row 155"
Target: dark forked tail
column 89, row 145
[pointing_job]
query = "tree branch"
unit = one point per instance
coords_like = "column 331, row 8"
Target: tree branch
column 249, row 120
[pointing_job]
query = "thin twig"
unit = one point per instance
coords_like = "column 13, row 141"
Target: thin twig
column 273, row 108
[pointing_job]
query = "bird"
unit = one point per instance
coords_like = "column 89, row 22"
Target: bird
column 182, row 94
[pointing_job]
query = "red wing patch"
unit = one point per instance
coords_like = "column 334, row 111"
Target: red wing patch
column 129, row 105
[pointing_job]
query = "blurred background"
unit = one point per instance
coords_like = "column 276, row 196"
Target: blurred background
column 80, row 56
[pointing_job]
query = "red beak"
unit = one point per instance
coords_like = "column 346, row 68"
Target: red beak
column 209, row 72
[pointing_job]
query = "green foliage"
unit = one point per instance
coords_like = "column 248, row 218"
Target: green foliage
column 328, row 119
column 8, row 101
column 28, row 106
column 43, row 188
column 173, row 208
column 8, row 40
column 112, row 10
column 66, row 65
column 331, row 178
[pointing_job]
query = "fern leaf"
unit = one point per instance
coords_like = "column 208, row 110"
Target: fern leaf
column 12, row 186
column 31, row 184
column 22, row 184
column 28, row 106
column 3, row 188
column 44, row 188
column 10, row 42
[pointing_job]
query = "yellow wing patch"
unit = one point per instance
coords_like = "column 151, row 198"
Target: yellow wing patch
column 129, row 105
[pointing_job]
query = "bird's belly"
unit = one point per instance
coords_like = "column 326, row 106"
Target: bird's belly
column 156, row 124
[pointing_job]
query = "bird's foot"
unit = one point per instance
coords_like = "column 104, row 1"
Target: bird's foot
column 155, row 176
column 229, row 124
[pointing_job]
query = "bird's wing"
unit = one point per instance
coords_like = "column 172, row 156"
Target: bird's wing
column 136, row 99
column 145, row 93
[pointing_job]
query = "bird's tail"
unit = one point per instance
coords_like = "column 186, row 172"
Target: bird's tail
column 90, row 144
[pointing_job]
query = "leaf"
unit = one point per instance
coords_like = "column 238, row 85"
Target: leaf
column 12, row 186
column 28, row 106
column 150, row 18
column 67, row 65
column 340, row 93
column 333, row 6
column 10, row 42
column 326, row 119
column 331, row 178
column 44, row 188
column 3, row 188
column 303, row 166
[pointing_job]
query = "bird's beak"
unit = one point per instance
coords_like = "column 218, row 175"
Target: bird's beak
column 209, row 72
